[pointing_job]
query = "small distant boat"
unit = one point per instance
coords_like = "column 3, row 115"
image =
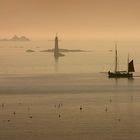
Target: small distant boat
column 122, row 74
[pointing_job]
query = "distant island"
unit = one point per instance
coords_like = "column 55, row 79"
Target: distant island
column 16, row 38
column 29, row 50
column 63, row 50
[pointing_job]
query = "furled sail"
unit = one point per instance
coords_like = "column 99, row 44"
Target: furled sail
column 131, row 66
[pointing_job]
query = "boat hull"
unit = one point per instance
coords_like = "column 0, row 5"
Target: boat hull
column 120, row 75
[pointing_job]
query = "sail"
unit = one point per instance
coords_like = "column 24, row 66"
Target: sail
column 131, row 66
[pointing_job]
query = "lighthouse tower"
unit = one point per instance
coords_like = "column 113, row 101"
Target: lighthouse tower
column 56, row 49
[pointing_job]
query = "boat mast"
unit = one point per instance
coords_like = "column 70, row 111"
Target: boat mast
column 128, row 64
column 116, row 58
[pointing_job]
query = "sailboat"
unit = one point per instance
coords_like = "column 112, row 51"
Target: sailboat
column 122, row 74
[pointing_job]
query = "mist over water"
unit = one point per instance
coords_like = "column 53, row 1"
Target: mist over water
column 77, row 72
column 99, row 57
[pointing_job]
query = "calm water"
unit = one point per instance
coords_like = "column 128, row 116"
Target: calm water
column 41, row 99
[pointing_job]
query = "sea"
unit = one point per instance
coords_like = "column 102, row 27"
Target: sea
column 70, row 98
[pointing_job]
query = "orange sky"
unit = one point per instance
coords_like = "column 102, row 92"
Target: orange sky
column 88, row 19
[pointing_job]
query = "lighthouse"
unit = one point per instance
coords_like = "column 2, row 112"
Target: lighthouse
column 56, row 48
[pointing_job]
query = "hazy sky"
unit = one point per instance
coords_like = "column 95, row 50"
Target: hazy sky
column 70, row 18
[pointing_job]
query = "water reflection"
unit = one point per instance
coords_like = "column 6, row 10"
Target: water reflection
column 131, row 81
column 56, row 65
column 120, row 81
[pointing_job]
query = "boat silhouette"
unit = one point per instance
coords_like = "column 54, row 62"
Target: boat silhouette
column 122, row 74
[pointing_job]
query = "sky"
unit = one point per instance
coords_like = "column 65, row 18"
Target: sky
column 71, row 19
